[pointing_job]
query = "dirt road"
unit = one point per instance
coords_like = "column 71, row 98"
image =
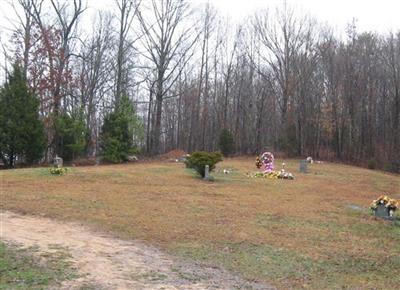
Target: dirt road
column 110, row 263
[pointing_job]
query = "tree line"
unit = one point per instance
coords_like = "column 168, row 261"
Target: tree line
column 157, row 75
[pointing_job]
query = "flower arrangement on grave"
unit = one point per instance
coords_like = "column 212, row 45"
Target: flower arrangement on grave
column 58, row 170
column 265, row 161
column 258, row 162
column 391, row 204
column 282, row 174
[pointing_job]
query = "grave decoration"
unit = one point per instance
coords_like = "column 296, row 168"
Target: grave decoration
column 265, row 162
column 225, row 170
column 384, row 206
column 132, row 158
column 281, row 174
column 258, row 162
column 58, row 168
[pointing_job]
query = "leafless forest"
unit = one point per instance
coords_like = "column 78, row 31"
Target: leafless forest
column 279, row 79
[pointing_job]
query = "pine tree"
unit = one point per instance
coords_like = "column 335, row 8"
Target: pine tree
column 226, row 142
column 72, row 134
column 120, row 128
column 21, row 131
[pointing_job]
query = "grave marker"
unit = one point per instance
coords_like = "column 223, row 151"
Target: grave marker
column 382, row 211
column 303, row 166
column 207, row 175
column 58, row 162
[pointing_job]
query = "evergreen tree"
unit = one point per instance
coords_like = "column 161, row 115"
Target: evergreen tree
column 72, row 134
column 21, row 131
column 226, row 142
column 120, row 129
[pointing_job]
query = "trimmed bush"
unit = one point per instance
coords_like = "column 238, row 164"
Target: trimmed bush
column 199, row 159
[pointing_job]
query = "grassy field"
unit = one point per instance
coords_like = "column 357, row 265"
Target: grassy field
column 24, row 269
column 314, row 232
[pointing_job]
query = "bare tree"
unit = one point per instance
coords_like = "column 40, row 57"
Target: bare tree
column 95, row 78
column 168, row 44
column 127, row 10
column 283, row 37
column 26, row 22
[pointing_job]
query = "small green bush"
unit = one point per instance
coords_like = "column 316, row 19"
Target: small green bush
column 371, row 164
column 199, row 159
column 226, row 142
column 393, row 166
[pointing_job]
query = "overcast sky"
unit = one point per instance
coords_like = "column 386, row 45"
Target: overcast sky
column 372, row 15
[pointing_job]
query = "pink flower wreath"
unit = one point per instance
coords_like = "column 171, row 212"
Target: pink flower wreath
column 267, row 159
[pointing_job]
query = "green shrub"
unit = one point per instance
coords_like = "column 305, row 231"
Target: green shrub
column 393, row 166
column 396, row 166
column 386, row 167
column 226, row 142
column 371, row 164
column 199, row 159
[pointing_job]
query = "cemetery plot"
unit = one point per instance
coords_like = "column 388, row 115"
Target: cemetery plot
column 265, row 163
column 385, row 207
column 316, row 231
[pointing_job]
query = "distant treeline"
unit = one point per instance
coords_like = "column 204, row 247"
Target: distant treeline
column 279, row 80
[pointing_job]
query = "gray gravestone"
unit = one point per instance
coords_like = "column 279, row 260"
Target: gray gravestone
column 382, row 211
column 58, row 162
column 207, row 175
column 207, row 172
column 303, row 166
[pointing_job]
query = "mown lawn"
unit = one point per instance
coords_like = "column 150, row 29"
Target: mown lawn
column 314, row 232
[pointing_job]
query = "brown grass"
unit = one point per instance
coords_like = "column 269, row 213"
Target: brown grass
column 301, row 233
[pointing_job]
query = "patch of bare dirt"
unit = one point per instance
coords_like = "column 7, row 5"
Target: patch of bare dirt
column 110, row 263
